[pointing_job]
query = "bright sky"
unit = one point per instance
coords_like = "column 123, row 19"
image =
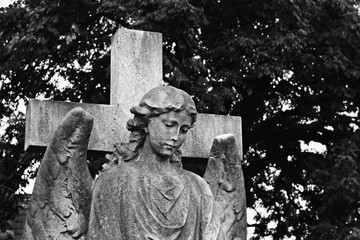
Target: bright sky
column 4, row 3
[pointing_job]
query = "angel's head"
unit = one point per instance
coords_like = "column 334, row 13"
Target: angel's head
column 164, row 115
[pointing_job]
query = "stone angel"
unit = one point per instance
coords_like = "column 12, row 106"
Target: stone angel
column 143, row 193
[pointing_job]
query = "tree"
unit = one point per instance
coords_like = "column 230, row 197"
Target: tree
column 291, row 69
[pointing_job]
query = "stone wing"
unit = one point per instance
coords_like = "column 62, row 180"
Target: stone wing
column 225, row 177
column 61, row 200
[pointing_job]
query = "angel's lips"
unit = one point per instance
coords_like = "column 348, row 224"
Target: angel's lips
column 169, row 145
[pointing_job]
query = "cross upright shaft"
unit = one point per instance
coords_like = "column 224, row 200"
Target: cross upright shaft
column 136, row 66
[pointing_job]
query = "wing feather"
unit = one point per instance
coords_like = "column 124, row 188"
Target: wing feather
column 225, row 177
column 61, row 199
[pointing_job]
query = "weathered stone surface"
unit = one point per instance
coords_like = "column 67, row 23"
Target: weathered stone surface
column 147, row 195
column 150, row 204
column 136, row 66
column 225, row 176
column 199, row 140
column 60, row 204
column 43, row 117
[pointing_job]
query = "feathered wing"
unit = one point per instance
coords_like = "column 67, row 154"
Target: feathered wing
column 225, row 177
column 61, row 200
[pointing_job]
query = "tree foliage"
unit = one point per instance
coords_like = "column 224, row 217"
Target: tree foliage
column 290, row 69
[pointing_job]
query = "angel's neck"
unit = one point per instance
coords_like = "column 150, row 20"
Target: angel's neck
column 155, row 161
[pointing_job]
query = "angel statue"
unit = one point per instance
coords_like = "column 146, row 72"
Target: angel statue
column 143, row 193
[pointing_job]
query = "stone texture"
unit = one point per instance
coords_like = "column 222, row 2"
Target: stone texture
column 225, row 177
column 147, row 195
column 43, row 117
column 136, row 66
column 60, row 204
column 199, row 140
column 150, row 204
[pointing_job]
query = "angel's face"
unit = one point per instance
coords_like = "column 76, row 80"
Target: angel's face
column 167, row 132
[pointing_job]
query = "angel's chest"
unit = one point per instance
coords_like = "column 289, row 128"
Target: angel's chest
column 166, row 198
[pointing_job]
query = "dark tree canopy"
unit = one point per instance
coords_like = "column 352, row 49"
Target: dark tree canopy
column 290, row 69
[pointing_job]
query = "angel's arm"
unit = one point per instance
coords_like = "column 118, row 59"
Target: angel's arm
column 225, row 177
column 60, row 205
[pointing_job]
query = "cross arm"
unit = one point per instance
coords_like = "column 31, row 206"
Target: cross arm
column 43, row 118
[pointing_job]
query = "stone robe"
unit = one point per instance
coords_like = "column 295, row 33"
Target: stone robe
column 133, row 201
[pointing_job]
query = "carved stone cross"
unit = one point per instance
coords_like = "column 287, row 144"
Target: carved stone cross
column 136, row 67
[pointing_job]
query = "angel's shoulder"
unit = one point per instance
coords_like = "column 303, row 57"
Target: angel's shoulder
column 116, row 175
column 199, row 182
